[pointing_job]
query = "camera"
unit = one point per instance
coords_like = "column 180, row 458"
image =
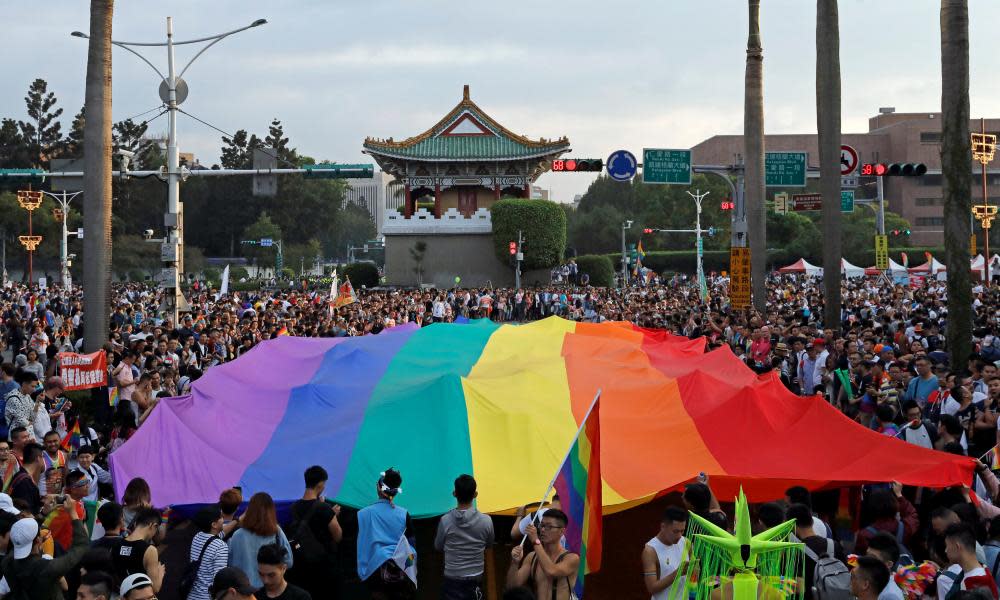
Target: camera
column 61, row 498
column 148, row 234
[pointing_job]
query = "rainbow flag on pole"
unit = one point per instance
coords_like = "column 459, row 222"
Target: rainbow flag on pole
column 113, row 397
column 579, row 487
column 72, row 439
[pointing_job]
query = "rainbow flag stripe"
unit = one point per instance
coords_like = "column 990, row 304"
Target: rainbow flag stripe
column 579, row 487
column 113, row 397
column 503, row 403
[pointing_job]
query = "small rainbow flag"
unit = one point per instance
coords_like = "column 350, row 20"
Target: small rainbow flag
column 113, row 397
column 72, row 439
column 579, row 487
column 282, row 331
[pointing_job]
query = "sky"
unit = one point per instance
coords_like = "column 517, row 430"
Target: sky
column 609, row 75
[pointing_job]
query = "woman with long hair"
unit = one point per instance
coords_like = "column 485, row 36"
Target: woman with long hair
column 258, row 527
column 136, row 496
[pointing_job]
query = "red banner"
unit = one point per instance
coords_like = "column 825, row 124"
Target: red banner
column 83, row 371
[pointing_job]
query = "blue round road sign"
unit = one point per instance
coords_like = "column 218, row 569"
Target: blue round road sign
column 622, row 165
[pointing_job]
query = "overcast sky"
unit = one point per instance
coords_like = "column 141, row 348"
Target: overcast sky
column 609, row 75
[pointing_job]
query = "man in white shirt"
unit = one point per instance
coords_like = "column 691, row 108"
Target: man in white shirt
column 960, row 547
column 94, row 473
column 665, row 556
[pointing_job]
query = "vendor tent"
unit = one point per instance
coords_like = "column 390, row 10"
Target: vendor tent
column 503, row 403
column 850, row 271
column 894, row 269
column 931, row 267
column 801, row 266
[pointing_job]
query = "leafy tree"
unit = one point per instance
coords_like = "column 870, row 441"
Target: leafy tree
column 542, row 225
column 795, row 233
column 73, row 144
column 262, row 228
column 13, row 151
column 599, row 268
column 42, row 132
column 352, row 227
column 131, row 136
column 237, row 153
column 301, row 256
column 277, row 142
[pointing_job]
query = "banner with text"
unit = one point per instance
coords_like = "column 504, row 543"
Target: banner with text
column 739, row 277
column 83, row 371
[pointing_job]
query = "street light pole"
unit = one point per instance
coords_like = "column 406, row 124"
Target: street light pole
column 173, row 91
column 698, row 197
column 63, row 199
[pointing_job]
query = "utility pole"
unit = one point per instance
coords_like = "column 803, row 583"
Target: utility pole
column 173, row 90
column 63, row 198
column 880, row 191
column 698, row 197
column 625, row 225
column 517, row 259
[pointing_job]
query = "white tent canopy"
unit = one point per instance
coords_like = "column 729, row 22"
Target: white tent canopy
column 850, row 271
column 801, row 266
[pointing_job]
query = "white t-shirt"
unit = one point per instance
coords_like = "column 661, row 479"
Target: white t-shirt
column 944, row 582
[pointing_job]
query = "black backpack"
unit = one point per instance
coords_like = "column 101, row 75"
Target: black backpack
column 305, row 545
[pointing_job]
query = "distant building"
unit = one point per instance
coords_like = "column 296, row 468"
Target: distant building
column 373, row 195
column 445, row 180
column 539, row 193
column 891, row 138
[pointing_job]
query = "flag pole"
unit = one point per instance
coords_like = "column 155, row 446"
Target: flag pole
column 988, row 452
column 583, row 424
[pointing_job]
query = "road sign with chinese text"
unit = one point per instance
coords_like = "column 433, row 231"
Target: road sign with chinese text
column 663, row 165
column 785, row 169
column 881, row 252
column 739, row 277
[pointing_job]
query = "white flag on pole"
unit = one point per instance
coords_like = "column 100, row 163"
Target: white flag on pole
column 405, row 558
column 224, row 289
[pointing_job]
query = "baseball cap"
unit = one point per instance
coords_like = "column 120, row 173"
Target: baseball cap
column 819, row 342
column 230, row 577
column 23, row 535
column 7, row 505
column 134, row 581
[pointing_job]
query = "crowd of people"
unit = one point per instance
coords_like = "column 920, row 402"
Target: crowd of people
column 888, row 367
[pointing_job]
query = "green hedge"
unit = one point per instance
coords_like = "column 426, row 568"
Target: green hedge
column 599, row 267
column 362, row 274
column 543, row 225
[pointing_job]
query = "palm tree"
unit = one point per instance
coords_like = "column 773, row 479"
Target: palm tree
column 956, row 174
column 828, row 127
column 753, row 149
column 97, row 178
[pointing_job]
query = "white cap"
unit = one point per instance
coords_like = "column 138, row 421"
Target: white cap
column 7, row 505
column 23, row 535
column 134, row 582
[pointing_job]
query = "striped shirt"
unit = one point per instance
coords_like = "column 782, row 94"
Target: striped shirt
column 216, row 558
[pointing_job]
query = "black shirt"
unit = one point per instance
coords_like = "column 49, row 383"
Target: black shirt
column 319, row 520
column 127, row 558
column 291, row 593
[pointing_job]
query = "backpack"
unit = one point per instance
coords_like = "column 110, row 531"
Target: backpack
column 190, row 575
column 831, row 577
column 306, row 547
column 905, row 556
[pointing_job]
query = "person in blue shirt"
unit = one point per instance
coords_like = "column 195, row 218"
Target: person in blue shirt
column 7, row 384
column 921, row 386
column 381, row 528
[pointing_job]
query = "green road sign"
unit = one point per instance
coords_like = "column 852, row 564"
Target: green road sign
column 847, row 201
column 785, row 169
column 662, row 165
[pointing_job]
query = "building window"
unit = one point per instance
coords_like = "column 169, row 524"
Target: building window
column 930, row 221
column 929, row 201
column 930, row 137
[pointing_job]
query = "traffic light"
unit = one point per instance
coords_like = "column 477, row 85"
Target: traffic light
column 893, row 169
column 647, row 230
column 577, row 165
column 513, row 248
column 900, row 232
column 727, row 205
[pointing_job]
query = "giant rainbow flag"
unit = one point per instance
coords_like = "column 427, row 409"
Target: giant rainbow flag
column 503, row 402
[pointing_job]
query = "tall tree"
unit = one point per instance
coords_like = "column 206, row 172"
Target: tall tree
column 131, row 136
column 828, row 127
column 73, row 145
column 97, row 177
column 276, row 140
column 13, row 153
column 753, row 150
column 42, row 132
column 238, row 150
column 956, row 171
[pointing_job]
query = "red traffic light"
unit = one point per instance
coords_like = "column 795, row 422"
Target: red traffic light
column 513, row 247
column 572, row 165
column 647, row 230
column 727, row 205
column 873, row 170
